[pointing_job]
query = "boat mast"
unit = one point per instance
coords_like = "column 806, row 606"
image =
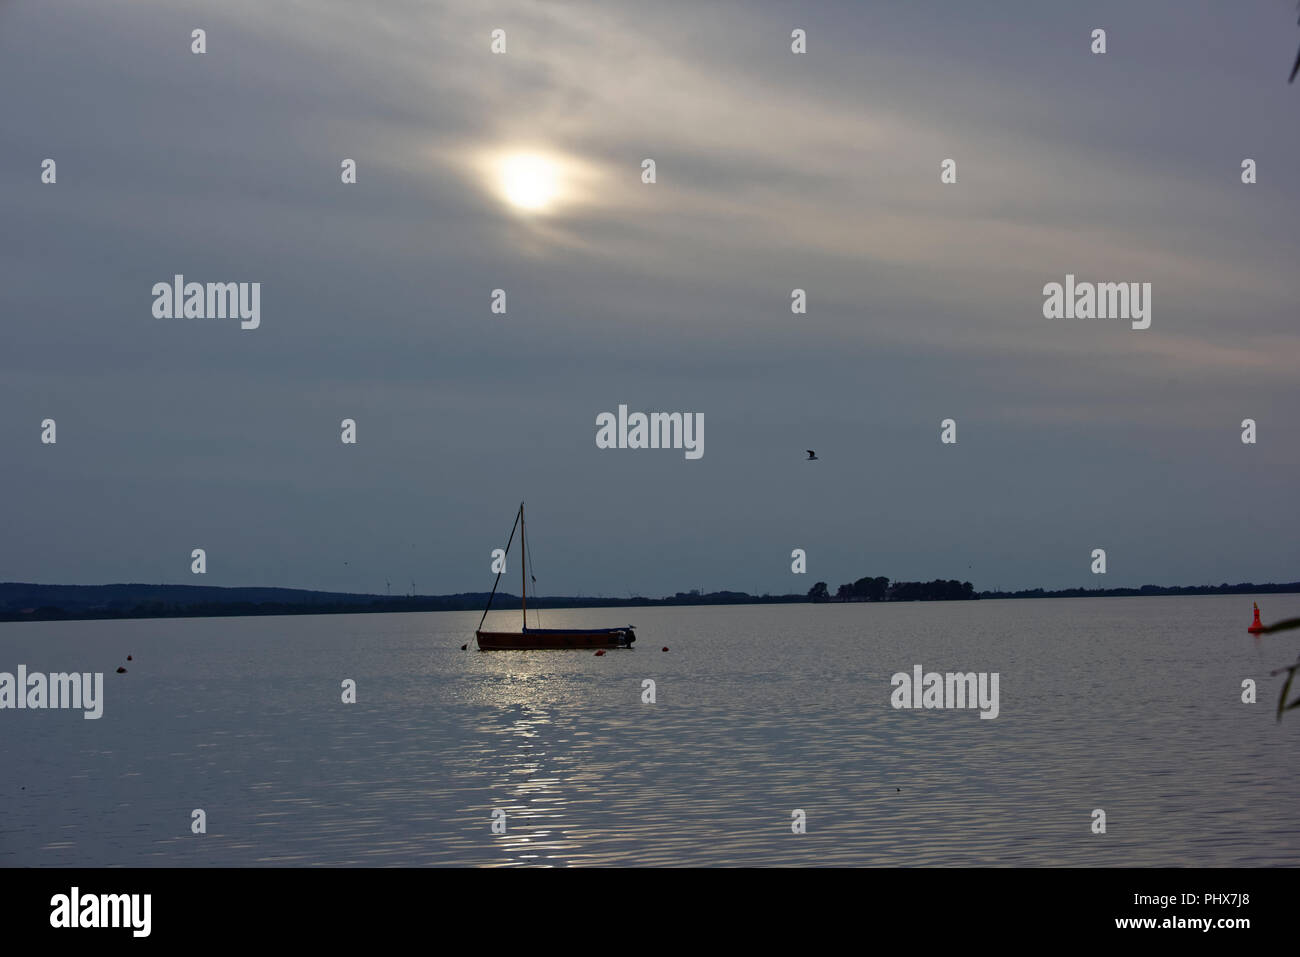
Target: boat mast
column 523, row 566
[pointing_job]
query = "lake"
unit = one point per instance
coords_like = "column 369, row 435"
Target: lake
column 1128, row 705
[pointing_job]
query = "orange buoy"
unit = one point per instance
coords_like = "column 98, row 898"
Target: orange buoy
column 1256, row 626
column 121, row 671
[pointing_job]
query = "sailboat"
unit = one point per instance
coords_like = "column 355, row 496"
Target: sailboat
column 528, row 638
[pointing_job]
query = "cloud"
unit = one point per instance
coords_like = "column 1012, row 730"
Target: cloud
column 774, row 171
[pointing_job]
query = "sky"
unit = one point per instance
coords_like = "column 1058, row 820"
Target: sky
column 774, row 171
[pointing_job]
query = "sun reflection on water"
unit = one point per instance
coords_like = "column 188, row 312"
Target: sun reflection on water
column 535, row 802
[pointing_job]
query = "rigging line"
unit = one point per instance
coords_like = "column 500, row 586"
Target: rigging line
column 500, row 573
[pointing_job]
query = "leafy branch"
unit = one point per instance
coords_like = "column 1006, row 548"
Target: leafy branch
column 1282, row 704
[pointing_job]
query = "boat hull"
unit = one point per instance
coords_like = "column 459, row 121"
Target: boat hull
column 555, row 638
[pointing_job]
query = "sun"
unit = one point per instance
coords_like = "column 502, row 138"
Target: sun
column 529, row 181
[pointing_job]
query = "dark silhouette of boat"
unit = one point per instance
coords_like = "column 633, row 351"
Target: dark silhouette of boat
column 543, row 638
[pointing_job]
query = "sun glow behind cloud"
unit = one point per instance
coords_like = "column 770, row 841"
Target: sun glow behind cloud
column 529, row 181
column 539, row 181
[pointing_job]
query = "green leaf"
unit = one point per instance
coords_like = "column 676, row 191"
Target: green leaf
column 1281, row 699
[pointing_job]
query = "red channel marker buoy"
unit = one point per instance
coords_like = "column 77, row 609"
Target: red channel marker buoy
column 665, row 647
column 1256, row 626
column 128, row 657
column 599, row 653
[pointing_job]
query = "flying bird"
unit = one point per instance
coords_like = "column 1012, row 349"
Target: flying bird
column 812, row 456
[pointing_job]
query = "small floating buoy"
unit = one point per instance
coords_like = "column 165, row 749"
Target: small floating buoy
column 128, row 657
column 121, row 671
column 599, row 653
column 665, row 647
column 1256, row 626
column 464, row 646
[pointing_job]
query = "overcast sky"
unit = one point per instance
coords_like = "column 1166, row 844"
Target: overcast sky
column 774, row 171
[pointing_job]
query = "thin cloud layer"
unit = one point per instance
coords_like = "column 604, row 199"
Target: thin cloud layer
column 774, row 172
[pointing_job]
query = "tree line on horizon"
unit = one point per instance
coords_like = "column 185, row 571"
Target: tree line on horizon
column 882, row 589
column 31, row 602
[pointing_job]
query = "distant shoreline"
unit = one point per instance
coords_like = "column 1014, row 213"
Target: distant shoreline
column 30, row 602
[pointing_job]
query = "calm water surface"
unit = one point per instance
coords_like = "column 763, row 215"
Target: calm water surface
column 1132, row 705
